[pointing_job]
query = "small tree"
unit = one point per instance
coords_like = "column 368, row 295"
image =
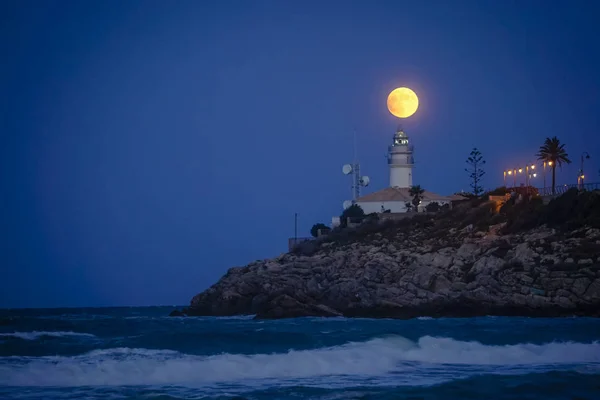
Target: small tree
column 314, row 231
column 353, row 212
column 433, row 207
column 475, row 164
column 408, row 206
column 417, row 193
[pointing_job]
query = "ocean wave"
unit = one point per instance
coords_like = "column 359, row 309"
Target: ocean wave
column 34, row 335
column 427, row 361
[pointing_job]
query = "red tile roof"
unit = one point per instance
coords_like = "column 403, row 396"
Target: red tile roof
column 400, row 194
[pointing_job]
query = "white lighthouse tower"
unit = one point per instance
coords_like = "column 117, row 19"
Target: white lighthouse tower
column 400, row 160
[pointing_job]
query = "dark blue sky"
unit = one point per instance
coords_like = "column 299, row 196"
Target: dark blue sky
column 147, row 146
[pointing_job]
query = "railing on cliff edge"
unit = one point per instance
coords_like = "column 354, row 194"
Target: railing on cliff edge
column 561, row 189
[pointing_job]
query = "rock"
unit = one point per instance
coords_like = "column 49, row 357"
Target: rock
column 487, row 265
column 593, row 291
column 580, row 286
column 524, row 254
column 424, row 276
column 468, row 252
column 415, row 272
column 177, row 313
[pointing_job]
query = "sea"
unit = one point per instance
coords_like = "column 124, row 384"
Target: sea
column 141, row 353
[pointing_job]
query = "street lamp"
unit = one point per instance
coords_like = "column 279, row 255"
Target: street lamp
column 529, row 175
column 527, row 169
column 549, row 163
column 584, row 156
column 513, row 172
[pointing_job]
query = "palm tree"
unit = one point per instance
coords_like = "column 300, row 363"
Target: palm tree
column 553, row 152
column 417, row 193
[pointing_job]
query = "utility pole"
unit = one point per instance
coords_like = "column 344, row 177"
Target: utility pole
column 295, row 228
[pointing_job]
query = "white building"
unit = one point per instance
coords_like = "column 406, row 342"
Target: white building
column 395, row 197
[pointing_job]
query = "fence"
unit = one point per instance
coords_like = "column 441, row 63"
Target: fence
column 561, row 189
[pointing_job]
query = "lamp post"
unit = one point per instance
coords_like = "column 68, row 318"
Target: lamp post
column 528, row 175
column 531, row 175
column 549, row 163
column 584, row 156
column 509, row 172
column 513, row 173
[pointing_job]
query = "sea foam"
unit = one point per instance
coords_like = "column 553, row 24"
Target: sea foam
column 407, row 362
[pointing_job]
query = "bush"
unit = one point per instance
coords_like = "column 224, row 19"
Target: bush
column 354, row 212
column 433, row 207
column 480, row 216
column 499, row 191
column 314, row 231
column 572, row 210
column 522, row 215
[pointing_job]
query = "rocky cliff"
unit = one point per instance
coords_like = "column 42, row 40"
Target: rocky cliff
column 460, row 263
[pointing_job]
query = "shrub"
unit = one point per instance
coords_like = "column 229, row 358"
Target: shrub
column 314, row 231
column 499, row 191
column 522, row 215
column 354, row 212
column 573, row 210
column 433, row 207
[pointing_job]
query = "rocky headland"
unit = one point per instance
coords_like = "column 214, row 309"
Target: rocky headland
column 522, row 258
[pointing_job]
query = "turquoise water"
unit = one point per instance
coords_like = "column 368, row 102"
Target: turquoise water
column 138, row 353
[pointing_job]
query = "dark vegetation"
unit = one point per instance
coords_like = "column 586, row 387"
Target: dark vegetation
column 573, row 210
column 554, row 154
column 319, row 227
column 475, row 163
column 434, row 206
column 417, row 195
column 355, row 213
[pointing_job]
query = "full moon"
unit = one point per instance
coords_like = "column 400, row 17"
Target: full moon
column 402, row 102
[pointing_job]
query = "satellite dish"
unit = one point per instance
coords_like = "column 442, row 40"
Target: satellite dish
column 347, row 204
column 346, row 169
column 365, row 180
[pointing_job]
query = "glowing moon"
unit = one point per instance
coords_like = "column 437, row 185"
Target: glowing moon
column 402, row 102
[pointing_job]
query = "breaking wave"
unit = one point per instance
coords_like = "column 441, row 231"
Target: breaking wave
column 40, row 334
column 387, row 356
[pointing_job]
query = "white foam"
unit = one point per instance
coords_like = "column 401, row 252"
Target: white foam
column 34, row 335
column 429, row 360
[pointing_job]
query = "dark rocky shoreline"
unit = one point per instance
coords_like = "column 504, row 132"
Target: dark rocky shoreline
column 451, row 265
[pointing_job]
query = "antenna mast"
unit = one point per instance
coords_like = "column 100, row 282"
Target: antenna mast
column 354, row 170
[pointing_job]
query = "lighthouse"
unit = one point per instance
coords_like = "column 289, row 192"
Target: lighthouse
column 400, row 160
